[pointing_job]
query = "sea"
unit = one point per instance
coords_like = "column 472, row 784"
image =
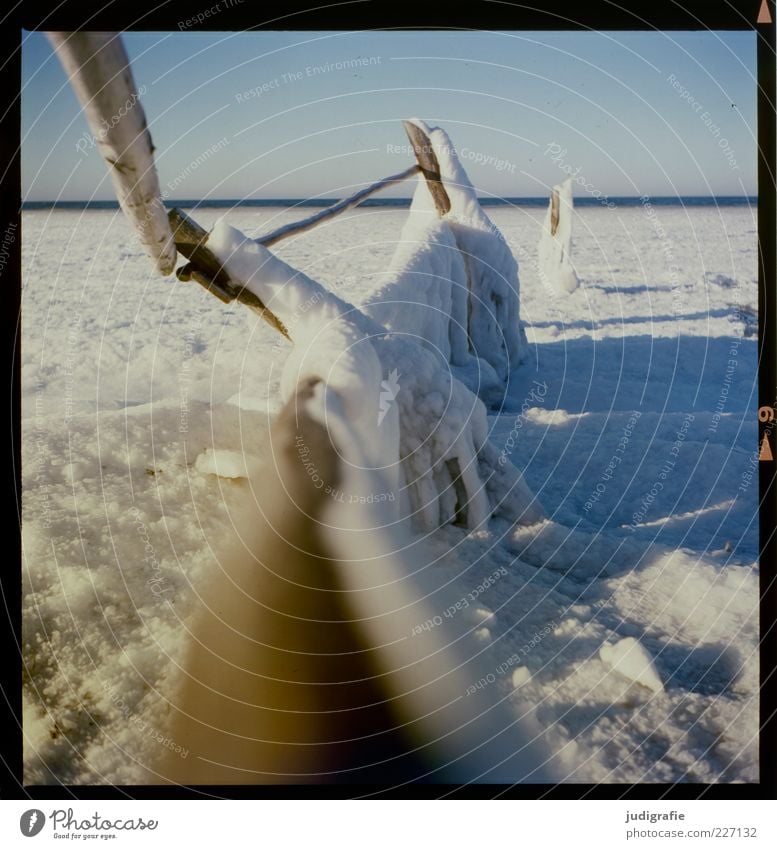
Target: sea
column 231, row 203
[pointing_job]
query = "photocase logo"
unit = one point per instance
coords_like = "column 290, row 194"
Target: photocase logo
column 390, row 390
column 31, row 822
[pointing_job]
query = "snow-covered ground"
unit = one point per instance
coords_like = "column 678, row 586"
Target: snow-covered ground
column 628, row 618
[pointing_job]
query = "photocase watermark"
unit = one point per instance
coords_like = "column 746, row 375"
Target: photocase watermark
column 190, row 341
column 143, row 726
column 538, row 393
column 31, row 822
column 308, row 72
column 388, row 394
column 9, row 237
column 475, row 156
column 68, row 822
column 513, row 660
column 705, row 117
column 88, row 141
column 558, row 155
column 201, row 17
column 69, row 362
column 615, row 461
column 666, row 470
column 462, row 604
column 173, row 184
column 157, row 580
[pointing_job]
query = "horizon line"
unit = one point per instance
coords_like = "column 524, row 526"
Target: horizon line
column 533, row 200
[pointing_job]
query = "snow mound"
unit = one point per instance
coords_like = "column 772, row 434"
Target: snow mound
column 555, row 248
column 632, row 660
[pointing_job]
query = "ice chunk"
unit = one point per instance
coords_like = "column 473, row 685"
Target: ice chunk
column 225, row 464
column 632, row 660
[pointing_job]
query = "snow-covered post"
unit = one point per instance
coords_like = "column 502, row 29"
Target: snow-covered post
column 555, row 247
column 430, row 167
column 492, row 304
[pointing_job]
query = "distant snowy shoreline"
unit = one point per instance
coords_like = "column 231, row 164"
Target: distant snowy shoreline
column 283, row 203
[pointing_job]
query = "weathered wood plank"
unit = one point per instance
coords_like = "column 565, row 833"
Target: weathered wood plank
column 430, row 167
column 554, row 212
column 100, row 74
column 330, row 212
column 205, row 268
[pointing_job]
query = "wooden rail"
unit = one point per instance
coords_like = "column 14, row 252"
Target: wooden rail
column 330, row 212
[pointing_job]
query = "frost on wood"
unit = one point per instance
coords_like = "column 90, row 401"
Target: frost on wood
column 555, row 248
column 99, row 71
column 429, row 444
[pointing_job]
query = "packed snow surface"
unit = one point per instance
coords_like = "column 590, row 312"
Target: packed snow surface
column 632, row 418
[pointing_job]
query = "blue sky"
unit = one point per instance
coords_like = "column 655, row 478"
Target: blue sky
column 318, row 114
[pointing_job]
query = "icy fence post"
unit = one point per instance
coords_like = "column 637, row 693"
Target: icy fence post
column 492, row 310
column 553, row 211
column 430, row 167
column 351, row 351
column 555, row 246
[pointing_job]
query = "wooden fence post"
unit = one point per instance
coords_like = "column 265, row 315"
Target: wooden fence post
column 430, row 167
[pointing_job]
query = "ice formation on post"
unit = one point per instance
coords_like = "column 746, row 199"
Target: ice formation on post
column 555, row 247
column 424, row 295
column 480, row 284
column 430, row 447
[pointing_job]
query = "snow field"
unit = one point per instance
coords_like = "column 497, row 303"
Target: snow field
column 130, row 380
